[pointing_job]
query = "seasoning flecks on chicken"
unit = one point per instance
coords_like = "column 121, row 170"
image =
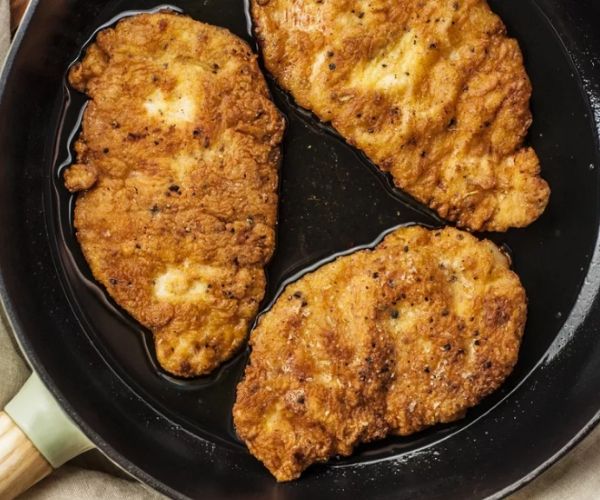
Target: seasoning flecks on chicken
column 177, row 173
column 433, row 91
column 384, row 341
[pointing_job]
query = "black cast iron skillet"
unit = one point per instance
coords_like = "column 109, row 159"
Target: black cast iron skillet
column 177, row 435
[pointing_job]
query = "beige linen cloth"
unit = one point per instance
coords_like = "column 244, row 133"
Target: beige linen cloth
column 91, row 476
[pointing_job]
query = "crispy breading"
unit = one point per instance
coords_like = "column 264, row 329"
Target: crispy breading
column 383, row 341
column 178, row 162
column 433, row 91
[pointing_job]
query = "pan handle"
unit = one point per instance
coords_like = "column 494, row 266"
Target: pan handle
column 21, row 464
column 36, row 437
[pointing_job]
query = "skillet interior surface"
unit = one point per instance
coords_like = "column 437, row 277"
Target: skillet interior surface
column 177, row 435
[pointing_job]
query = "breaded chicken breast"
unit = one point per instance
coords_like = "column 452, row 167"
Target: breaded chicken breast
column 383, row 341
column 433, row 91
column 177, row 174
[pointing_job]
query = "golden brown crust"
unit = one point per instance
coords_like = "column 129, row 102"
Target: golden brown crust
column 179, row 155
column 432, row 91
column 383, row 341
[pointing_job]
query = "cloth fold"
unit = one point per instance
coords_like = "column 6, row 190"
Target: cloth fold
column 92, row 477
column 4, row 28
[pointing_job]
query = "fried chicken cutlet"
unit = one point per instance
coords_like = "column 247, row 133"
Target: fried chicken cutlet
column 432, row 91
column 177, row 174
column 384, row 341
